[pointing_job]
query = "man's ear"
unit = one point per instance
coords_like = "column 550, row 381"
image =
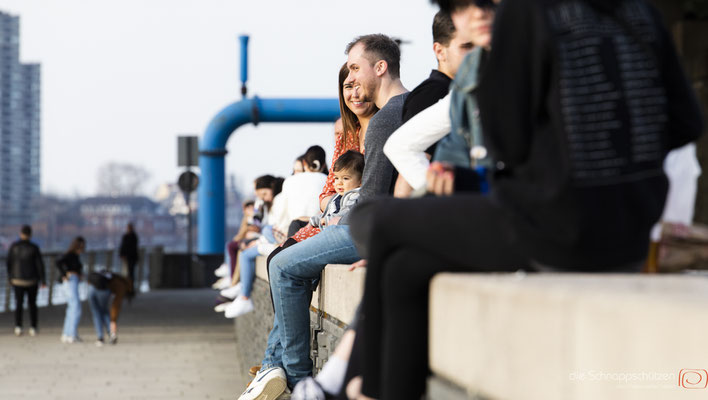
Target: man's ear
column 440, row 52
column 380, row 68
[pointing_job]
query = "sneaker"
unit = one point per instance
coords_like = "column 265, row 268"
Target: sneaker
column 33, row 332
column 222, row 283
column 99, row 342
column 67, row 339
column 114, row 338
column 77, row 339
column 222, row 271
column 239, row 307
column 268, row 384
column 232, row 292
column 308, row 389
column 18, row 331
column 221, row 307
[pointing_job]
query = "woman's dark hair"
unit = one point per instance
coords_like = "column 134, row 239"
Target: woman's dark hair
column 351, row 160
column 264, row 182
column 315, row 160
column 349, row 119
column 277, row 186
column 270, row 182
column 451, row 6
column 76, row 244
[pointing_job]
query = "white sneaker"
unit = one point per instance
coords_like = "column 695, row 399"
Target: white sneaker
column 238, row 307
column 268, row 384
column 32, row 332
column 99, row 342
column 221, row 307
column 308, row 389
column 67, row 339
column 232, row 292
column 222, row 283
column 222, row 271
column 18, row 331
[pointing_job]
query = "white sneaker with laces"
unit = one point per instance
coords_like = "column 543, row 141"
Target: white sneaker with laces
column 239, row 307
column 18, row 331
column 232, row 291
column 32, row 332
column 269, row 384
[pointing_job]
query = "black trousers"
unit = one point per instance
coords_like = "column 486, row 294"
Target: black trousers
column 131, row 263
column 409, row 241
column 31, row 300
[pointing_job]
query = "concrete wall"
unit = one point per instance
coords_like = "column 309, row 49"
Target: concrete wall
column 332, row 309
column 569, row 337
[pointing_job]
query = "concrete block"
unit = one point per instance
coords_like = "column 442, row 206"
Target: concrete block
column 517, row 336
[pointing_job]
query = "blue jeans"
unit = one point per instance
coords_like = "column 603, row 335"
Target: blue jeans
column 100, row 310
column 294, row 274
column 73, row 306
column 247, row 265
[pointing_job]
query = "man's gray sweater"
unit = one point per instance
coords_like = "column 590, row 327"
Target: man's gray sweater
column 378, row 170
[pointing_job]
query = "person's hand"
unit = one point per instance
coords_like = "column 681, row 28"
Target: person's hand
column 359, row 264
column 441, row 179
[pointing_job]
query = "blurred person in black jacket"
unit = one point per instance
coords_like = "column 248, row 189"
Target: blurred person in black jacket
column 25, row 271
column 129, row 250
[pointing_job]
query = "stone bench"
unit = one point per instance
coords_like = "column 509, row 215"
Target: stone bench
column 568, row 337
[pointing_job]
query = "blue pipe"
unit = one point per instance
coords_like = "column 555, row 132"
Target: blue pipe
column 244, row 63
column 211, row 194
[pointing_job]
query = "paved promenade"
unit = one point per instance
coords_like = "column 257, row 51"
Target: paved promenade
column 171, row 346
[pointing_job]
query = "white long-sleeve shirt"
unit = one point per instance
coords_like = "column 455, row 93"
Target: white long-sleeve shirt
column 405, row 148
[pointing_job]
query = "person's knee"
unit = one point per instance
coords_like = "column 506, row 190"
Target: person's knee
column 276, row 266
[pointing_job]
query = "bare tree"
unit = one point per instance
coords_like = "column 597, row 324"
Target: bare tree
column 121, row 179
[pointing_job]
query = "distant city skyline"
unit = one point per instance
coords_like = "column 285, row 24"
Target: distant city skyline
column 122, row 79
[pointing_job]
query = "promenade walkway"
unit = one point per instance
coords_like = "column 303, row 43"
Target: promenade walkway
column 171, row 346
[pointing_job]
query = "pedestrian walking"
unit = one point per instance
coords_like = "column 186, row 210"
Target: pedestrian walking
column 25, row 271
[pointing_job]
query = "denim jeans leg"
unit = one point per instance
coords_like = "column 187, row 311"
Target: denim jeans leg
column 98, row 301
column 273, row 356
column 73, row 306
column 293, row 273
column 247, row 265
column 93, row 301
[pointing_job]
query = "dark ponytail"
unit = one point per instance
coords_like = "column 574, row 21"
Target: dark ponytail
column 314, row 158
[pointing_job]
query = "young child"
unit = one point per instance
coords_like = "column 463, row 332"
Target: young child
column 347, row 181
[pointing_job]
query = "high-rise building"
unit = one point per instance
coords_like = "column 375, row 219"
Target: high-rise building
column 19, row 127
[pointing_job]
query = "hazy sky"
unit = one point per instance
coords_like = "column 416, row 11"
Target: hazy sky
column 121, row 79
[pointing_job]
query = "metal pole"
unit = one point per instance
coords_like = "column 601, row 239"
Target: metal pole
column 189, row 224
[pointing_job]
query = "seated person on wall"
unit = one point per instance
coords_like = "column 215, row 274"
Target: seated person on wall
column 373, row 62
column 555, row 203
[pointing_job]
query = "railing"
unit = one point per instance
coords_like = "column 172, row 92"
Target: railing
column 94, row 260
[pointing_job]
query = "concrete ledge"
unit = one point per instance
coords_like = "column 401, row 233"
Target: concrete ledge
column 570, row 337
column 343, row 289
